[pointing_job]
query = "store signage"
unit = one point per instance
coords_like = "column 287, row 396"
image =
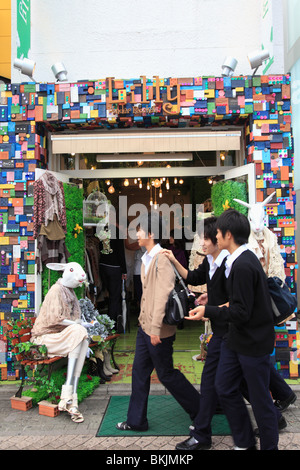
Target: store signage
column 145, row 97
column 23, row 28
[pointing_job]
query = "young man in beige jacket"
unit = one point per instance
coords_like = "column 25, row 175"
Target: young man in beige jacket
column 154, row 344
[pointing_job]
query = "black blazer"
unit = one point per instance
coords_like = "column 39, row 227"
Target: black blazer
column 216, row 290
column 251, row 329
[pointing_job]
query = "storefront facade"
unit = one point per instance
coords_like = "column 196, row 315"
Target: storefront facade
column 38, row 119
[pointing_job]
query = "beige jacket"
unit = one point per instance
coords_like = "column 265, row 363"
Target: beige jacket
column 157, row 284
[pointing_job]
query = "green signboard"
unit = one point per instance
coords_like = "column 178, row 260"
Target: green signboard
column 23, row 28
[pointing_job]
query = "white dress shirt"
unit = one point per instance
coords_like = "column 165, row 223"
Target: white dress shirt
column 215, row 264
column 148, row 257
column 231, row 258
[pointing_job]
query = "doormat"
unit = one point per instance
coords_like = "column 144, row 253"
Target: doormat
column 165, row 418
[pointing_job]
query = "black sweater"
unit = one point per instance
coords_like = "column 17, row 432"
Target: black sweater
column 216, row 290
column 117, row 257
column 251, row 330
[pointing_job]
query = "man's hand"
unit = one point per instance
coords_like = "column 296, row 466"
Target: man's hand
column 202, row 299
column 197, row 314
column 169, row 254
column 155, row 340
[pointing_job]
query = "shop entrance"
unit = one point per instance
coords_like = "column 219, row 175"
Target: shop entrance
column 178, row 172
column 187, row 346
column 180, row 191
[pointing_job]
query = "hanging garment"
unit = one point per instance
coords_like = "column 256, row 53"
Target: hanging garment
column 50, row 251
column 53, row 231
column 48, row 200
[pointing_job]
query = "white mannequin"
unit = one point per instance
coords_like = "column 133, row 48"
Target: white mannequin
column 73, row 337
column 263, row 241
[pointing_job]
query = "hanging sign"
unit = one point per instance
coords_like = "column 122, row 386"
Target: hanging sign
column 145, row 97
column 23, row 28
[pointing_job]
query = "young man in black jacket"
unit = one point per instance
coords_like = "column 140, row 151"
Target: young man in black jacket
column 250, row 339
column 211, row 273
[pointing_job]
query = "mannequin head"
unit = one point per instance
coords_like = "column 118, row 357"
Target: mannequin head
column 73, row 274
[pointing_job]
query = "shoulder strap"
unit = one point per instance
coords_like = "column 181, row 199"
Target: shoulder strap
column 177, row 275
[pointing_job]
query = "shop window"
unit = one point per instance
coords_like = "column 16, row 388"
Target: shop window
column 228, row 158
column 67, row 162
column 194, row 159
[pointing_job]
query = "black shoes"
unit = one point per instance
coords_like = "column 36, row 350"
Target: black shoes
column 282, row 405
column 192, row 444
column 125, row 427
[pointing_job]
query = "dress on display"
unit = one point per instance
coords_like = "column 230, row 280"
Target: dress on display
column 49, row 220
column 60, row 303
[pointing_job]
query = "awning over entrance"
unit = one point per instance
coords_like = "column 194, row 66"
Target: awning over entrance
column 146, row 142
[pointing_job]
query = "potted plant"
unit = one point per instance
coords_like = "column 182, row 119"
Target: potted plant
column 204, row 340
column 32, row 351
column 19, row 330
column 45, row 391
column 22, row 404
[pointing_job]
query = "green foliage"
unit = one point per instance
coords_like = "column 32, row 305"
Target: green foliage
column 43, row 389
column 15, row 326
column 74, row 240
column 32, row 350
column 223, row 193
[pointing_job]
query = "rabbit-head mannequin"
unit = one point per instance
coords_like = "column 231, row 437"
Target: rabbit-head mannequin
column 73, row 274
column 256, row 213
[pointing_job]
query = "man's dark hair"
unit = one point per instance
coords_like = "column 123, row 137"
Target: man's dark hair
column 152, row 222
column 236, row 223
column 210, row 229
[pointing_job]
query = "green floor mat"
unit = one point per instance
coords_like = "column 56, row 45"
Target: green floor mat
column 165, row 417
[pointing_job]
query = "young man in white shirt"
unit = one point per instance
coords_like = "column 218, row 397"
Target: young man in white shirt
column 154, row 344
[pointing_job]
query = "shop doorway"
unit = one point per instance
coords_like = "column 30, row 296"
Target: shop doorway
column 189, row 190
column 195, row 189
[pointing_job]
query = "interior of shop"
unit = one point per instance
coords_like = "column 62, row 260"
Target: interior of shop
column 189, row 184
column 188, row 353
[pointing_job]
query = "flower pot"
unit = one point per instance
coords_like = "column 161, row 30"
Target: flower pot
column 48, row 409
column 22, row 404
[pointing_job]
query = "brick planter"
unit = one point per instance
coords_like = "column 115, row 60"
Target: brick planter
column 48, row 409
column 22, row 404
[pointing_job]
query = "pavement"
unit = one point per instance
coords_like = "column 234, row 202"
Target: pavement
column 27, row 430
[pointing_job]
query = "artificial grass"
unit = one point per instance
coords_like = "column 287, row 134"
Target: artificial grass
column 165, row 418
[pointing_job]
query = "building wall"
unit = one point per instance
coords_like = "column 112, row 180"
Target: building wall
column 5, row 39
column 291, row 15
column 167, row 38
column 261, row 104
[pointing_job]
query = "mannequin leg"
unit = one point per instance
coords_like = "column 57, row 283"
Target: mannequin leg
column 80, row 363
column 76, row 416
column 75, row 363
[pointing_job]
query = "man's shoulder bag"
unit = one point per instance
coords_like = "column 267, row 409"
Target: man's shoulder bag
column 178, row 303
column 283, row 301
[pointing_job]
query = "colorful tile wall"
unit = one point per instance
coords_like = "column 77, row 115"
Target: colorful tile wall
column 261, row 104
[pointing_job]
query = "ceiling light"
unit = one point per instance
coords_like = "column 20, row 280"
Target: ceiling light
column 60, row 72
column 229, row 66
column 26, row 66
column 155, row 157
column 256, row 58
